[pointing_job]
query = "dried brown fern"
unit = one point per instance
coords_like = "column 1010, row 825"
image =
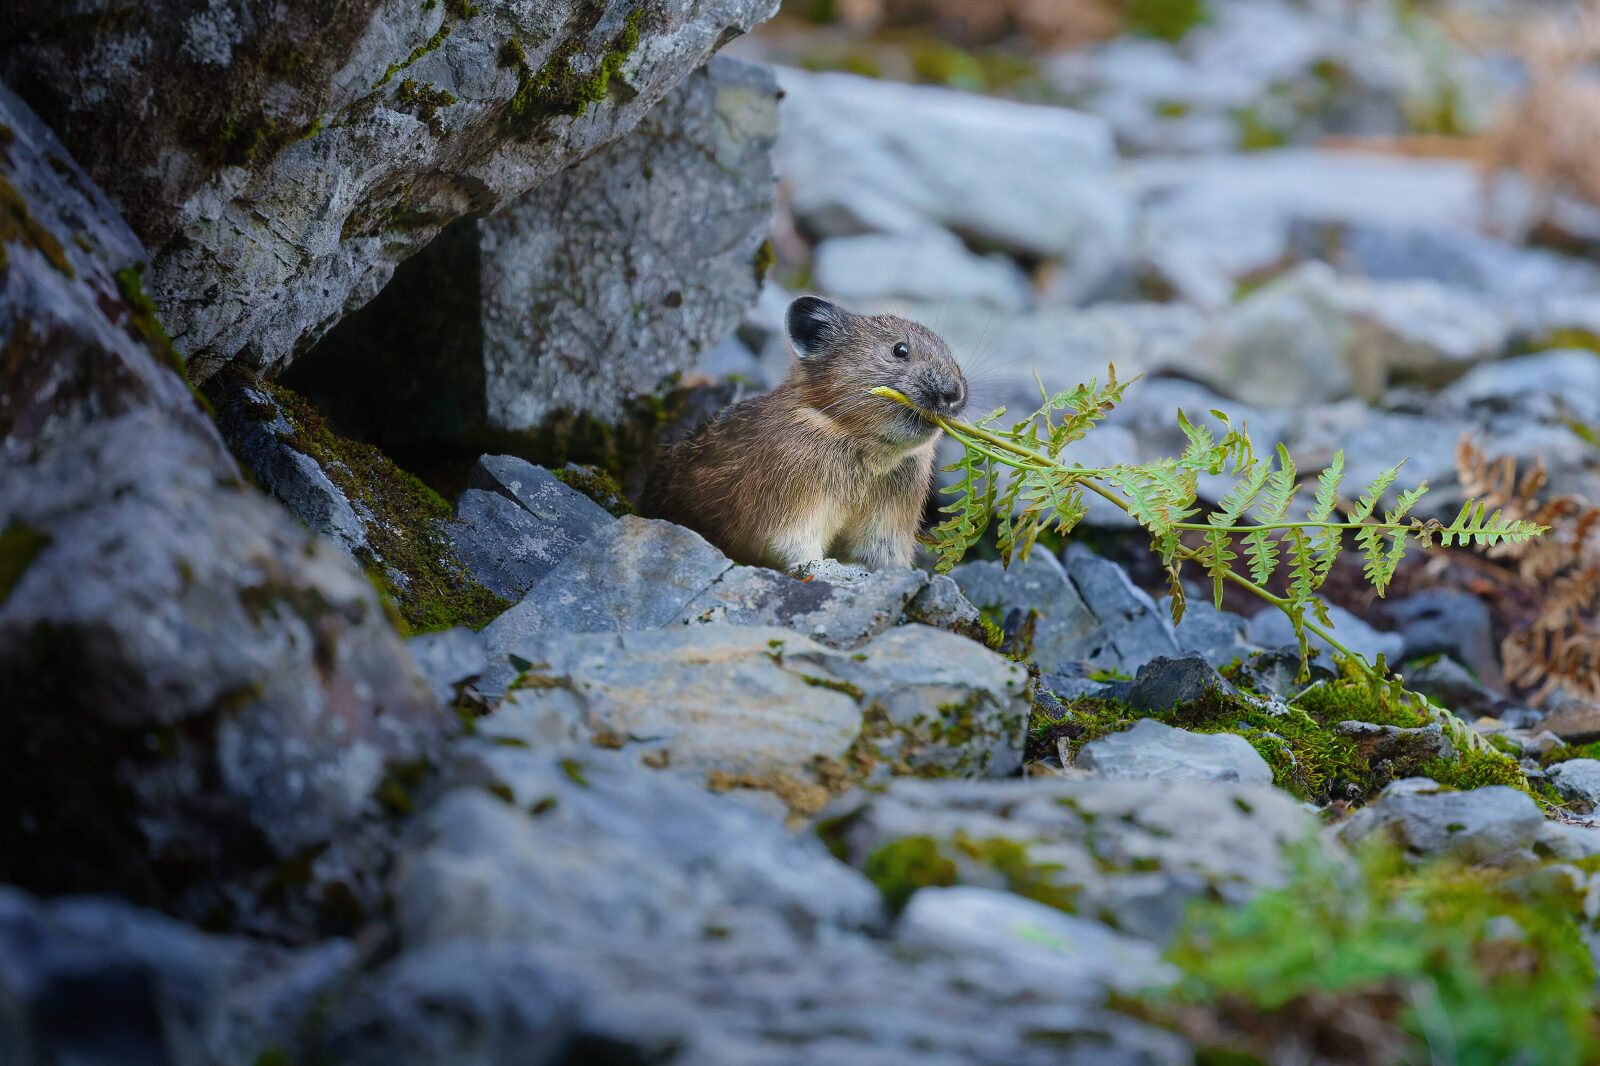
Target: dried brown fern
column 1558, row 649
column 1551, row 133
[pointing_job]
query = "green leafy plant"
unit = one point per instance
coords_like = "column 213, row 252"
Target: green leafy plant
column 1022, row 476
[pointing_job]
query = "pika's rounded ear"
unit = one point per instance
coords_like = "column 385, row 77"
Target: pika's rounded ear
column 812, row 324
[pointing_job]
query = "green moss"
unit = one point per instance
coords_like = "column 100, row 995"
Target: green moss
column 1172, row 108
column 1037, row 881
column 416, row 53
column 1255, row 133
column 766, row 257
column 18, row 226
column 406, row 534
column 556, row 88
column 598, row 485
column 574, row 771
column 902, row 866
column 425, row 101
column 833, row 684
column 20, row 544
column 1413, row 956
column 144, row 325
column 1167, row 20
column 1307, row 758
column 461, row 9
column 1476, row 769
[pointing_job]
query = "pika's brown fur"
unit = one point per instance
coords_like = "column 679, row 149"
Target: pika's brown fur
column 819, row 467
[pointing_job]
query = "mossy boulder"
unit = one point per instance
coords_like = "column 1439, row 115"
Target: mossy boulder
column 196, row 688
column 281, row 166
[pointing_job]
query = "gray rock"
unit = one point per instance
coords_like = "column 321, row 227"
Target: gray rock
column 840, row 611
column 763, row 705
column 655, row 238
column 1398, row 742
column 540, row 493
column 928, row 266
column 1449, row 684
column 1547, row 385
column 1137, row 849
column 1219, row 637
column 867, row 156
column 636, row 573
column 1276, row 672
column 1210, row 220
column 1078, row 957
column 100, row 981
column 1446, row 622
column 1567, row 841
column 1574, row 720
column 259, row 436
column 1163, row 683
column 1483, row 825
column 594, row 849
column 941, row 605
column 459, row 1002
column 300, row 157
column 156, row 596
column 507, row 545
column 1271, row 628
column 448, row 658
column 1091, row 616
column 1578, row 781
column 1153, row 749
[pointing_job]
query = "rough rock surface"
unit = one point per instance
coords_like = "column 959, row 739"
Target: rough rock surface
column 1154, row 749
column 193, row 681
column 1091, row 617
column 840, row 611
column 516, row 522
column 1578, row 780
column 869, row 156
column 1478, row 826
column 636, row 573
column 763, row 705
column 616, row 274
column 279, row 167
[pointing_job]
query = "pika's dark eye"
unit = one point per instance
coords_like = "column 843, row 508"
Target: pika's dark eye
column 902, row 351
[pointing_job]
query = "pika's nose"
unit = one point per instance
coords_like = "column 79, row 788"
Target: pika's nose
column 954, row 395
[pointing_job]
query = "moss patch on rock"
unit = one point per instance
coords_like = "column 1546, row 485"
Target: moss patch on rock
column 20, row 544
column 411, row 558
column 18, row 226
column 558, row 87
column 1308, row 757
column 902, row 866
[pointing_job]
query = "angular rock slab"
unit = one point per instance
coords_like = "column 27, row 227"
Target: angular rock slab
column 616, row 274
column 516, row 521
column 1156, row 750
column 637, row 573
column 282, row 166
column 765, row 704
column 211, row 686
column 1578, row 780
column 839, row 611
column 1091, row 616
column 1482, row 825
column 1137, row 849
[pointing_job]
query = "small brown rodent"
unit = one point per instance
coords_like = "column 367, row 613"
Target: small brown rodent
column 819, row 467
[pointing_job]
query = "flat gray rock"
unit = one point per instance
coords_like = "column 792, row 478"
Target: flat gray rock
column 540, row 493
column 1578, row 781
column 636, row 573
column 1156, row 750
column 840, row 610
column 1482, row 825
column 941, row 604
column 766, row 704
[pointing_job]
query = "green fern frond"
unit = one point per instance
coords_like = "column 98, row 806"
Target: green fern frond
column 1328, row 489
column 1369, row 500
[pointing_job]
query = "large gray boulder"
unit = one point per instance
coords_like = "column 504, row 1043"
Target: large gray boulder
column 616, row 274
column 280, row 165
column 1154, row 749
column 1482, row 825
column 193, row 681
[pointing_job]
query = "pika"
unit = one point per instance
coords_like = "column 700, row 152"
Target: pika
column 819, row 467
